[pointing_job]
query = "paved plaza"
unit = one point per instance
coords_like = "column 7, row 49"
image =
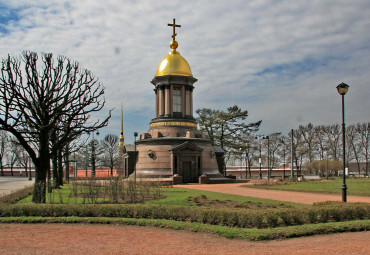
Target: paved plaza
column 287, row 196
column 10, row 184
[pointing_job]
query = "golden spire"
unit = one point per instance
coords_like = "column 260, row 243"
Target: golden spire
column 121, row 144
column 122, row 121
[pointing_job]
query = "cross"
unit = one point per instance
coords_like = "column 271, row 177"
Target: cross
column 174, row 27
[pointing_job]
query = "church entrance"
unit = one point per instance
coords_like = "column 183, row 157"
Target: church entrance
column 186, row 161
column 186, row 172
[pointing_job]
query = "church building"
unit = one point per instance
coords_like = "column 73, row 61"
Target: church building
column 173, row 147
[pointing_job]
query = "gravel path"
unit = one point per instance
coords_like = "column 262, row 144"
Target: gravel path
column 101, row 239
column 288, row 196
column 10, row 184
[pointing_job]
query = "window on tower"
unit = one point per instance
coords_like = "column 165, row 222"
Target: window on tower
column 176, row 99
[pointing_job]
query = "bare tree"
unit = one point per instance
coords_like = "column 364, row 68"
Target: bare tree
column 333, row 135
column 364, row 137
column 3, row 151
column 58, row 98
column 12, row 156
column 300, row 149
column 308, row 134
column 23, row 159
column 275, row 143
column 321, row 141
column 110, row 148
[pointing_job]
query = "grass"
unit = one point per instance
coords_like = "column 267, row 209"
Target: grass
column 356, row 187
column 180, row 196
column 173, row 196
column 252, row 234
column 186, row 197
column 62, row 196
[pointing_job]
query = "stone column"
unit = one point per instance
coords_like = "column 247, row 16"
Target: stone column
column 187, row 106
column 167, row 101
column 183, row 98
column 171, row 163
column 156, row 103
column 191, row 102
column 171, row 100
column 161, row 101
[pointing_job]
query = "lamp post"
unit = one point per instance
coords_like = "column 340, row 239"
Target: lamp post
column 292, row 155
column 93, row 154
column 241, row 161
column 135, row 135
column 30, row 170
column 342, row 90
column 268, row 156
column 284, row 146
column 260, row 158
column 87, row 160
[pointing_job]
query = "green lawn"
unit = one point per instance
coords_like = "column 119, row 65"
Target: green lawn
column 356, row 187
column 172, row 196
column 180, row 196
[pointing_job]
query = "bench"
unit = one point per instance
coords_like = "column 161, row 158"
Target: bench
column 311, row 177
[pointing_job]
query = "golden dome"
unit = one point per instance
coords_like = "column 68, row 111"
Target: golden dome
column 173, row 64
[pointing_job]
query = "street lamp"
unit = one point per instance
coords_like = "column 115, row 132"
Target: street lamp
column 268, row 156
column 284, row 147
column 260, row 158
column 241, row 161
column 342, row 90
column 93, row 154
column 87, row 160
column 135, row 135
column 30, row 170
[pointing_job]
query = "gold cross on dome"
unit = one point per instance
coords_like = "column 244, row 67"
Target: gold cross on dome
column 174, row 27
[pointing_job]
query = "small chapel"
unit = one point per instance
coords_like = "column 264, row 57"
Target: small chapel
column 173, row 147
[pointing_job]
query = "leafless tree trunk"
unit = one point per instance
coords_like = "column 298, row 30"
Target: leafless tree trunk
column 364, row 133
column 308, row 134
column 56, row 99
column 3, row 151
column 333, row 134
column 110, row 148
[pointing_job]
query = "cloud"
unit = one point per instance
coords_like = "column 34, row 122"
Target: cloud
column 280, row 60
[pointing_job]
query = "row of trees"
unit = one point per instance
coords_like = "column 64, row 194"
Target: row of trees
column 105, row 153
column 13, row 155
column 310, row 144
column 240, row 142
column 46, row 104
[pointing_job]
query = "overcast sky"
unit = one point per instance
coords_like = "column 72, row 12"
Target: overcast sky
column 280, row 60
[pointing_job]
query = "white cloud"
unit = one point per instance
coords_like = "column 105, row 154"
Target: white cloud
column 280, row 60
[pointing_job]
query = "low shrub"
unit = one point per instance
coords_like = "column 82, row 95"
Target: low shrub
column 243, row 218
column 272, row 219
column 14, row 197
column 324, row 215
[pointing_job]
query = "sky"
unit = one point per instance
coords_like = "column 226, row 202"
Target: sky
column 280, row 60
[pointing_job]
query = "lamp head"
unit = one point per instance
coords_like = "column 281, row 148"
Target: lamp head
column 342, row 89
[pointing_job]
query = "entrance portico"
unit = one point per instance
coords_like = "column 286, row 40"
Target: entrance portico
column 186, row 161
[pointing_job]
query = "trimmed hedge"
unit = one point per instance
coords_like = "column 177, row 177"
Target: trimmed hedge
column 244, row 218
column 14, row 197
column 242, row 233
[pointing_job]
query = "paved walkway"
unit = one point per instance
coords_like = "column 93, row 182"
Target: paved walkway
column 19, row 239
column 288, row 196
column 10, row 184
